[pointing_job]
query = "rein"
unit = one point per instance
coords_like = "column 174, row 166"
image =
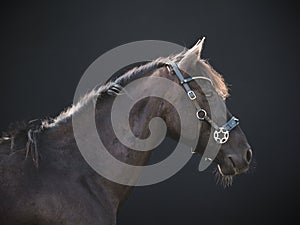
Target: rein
column 221, row 134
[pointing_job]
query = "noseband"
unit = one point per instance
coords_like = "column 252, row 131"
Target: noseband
column 221, row 134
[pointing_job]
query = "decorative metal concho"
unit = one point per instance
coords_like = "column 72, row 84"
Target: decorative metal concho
column 221, row 135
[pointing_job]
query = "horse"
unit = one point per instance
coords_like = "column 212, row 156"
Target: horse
column 44, row 179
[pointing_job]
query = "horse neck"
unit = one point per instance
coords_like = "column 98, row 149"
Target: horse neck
column 140, row 116
column 139, row 120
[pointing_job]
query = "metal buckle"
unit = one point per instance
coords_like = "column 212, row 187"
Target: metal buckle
column 199, row 112
column 192, row 95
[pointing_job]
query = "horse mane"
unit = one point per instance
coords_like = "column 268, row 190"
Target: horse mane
column 20, row 130
column 14, row 129
column 217, row 79
column 106, row 89
column 123, row 80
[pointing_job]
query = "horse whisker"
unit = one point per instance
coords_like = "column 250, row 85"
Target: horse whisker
column 223, row 180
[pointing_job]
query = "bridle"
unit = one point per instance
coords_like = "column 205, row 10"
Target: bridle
column 221, row 134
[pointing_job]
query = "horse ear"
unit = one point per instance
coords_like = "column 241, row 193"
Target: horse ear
column 197, row 48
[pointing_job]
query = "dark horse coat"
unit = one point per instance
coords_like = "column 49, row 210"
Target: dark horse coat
column 45, row 180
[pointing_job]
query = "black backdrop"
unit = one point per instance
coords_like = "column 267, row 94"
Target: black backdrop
column 46, row 47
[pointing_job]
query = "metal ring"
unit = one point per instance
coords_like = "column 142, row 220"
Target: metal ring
column 203, row 112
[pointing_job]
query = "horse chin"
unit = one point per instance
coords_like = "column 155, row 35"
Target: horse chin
column 224, row 178
column 226, row 171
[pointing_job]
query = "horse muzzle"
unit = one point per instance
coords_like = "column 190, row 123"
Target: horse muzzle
column 235, row 164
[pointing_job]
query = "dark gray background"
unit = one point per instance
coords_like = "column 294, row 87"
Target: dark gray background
column 46, row 47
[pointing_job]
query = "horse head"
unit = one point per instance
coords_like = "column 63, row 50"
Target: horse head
column 207, row 91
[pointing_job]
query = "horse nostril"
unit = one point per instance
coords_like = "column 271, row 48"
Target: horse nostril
column 248, row 155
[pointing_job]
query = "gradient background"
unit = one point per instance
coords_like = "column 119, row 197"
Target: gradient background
column 46, row 47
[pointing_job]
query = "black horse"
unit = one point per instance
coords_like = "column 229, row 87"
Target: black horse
column 45, row 180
